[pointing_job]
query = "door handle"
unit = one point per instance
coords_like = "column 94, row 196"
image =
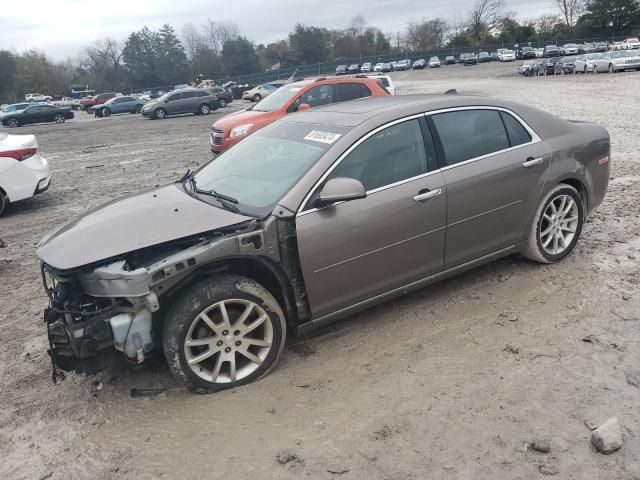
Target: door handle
column 421, row 197
column 532, row 162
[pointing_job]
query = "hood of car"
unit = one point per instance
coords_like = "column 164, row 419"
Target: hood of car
column 131, row 223
column 258, row 119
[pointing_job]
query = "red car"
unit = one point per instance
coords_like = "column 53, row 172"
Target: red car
column 87, row 103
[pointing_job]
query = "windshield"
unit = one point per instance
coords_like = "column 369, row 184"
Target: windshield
column 262, row 168
column 277, row 99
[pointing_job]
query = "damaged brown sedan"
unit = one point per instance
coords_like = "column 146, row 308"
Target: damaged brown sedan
column 316, row 216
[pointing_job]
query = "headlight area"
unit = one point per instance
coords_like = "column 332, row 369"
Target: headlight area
column 88, row 332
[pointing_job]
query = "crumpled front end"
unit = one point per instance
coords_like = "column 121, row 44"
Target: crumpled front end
column 110, row 310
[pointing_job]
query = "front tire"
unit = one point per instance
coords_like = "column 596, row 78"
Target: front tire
column 257, row 97
column 4, row 201
column 138, row 109
column 106, row 112
column 160, row 113
column 610, row 68
column 557, row 225
column 223, row 103
column 223, row 332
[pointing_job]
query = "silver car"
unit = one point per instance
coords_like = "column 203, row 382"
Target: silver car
column 310, row 219
column 617, row 61
column 585, row 63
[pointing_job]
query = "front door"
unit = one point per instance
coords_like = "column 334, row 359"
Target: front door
column 354, row 250
column 494, row 168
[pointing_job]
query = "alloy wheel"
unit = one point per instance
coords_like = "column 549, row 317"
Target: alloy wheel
column 204, row 109
column 228, row 341
column 559, row 224
column 223, row 102
column 59, row 118
column 13, row 122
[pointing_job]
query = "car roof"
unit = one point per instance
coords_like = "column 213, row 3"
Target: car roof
column 388, row 108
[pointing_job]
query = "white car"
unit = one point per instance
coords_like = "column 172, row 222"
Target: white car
column 37, row 97
column 507, row 56
column 585, row 63
column 366, row 67
column 630, row 43
column 386, row 82
column 23, row 172
column 73, row 103
column 378, row 67
column 434, row 62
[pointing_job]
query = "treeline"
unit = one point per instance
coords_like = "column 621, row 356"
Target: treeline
column 217, row 50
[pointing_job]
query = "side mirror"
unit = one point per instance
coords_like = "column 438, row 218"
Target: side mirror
column 341, row 189
column 303, row 106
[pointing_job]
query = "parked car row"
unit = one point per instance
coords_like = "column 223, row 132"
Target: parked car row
column 606, row 62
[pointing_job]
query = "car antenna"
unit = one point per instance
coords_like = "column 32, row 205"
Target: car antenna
column 451, row 91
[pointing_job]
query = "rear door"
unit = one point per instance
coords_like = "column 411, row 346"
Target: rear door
column 494, row 167
column 190, row 102
column 355, row 250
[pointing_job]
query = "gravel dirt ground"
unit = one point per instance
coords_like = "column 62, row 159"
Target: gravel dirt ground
column 454, row 381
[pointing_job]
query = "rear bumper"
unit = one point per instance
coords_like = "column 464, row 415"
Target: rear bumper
column 26, row 179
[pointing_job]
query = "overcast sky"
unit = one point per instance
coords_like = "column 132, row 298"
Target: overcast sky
column 63, row 27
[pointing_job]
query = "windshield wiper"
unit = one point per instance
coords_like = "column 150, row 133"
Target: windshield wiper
column 226, row 201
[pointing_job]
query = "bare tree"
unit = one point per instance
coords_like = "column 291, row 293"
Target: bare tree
column 193, row 40
column 104, row 60
column 570, row 11
column 216, row 34
column 357, row 26
column 484, row 17
column 427, row 34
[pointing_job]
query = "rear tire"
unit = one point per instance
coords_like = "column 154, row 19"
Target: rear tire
column 13, row 123
column 557, row 225
column 207, row 341
column 204, row 109
column 610, row 68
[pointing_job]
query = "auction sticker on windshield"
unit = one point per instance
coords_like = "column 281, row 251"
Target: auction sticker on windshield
column 324, row 137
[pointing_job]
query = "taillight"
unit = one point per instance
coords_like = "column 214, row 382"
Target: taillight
column 20, row 154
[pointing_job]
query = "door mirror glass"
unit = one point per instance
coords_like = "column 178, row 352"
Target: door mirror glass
column 341, row 189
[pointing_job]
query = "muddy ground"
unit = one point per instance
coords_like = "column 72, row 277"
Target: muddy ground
column 453, row 381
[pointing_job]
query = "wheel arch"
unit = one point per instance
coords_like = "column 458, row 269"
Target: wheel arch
column 260, row 269
column 580, row 186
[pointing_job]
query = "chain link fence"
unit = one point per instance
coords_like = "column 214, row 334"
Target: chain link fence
column 325, row 68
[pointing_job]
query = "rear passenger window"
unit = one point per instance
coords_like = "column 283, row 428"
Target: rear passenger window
column 467, row 134
column 351, row 91
column 516, row 132
column 391, row 155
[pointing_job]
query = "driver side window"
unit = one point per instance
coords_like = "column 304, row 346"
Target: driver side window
column 316, row 96
column 394, row 154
